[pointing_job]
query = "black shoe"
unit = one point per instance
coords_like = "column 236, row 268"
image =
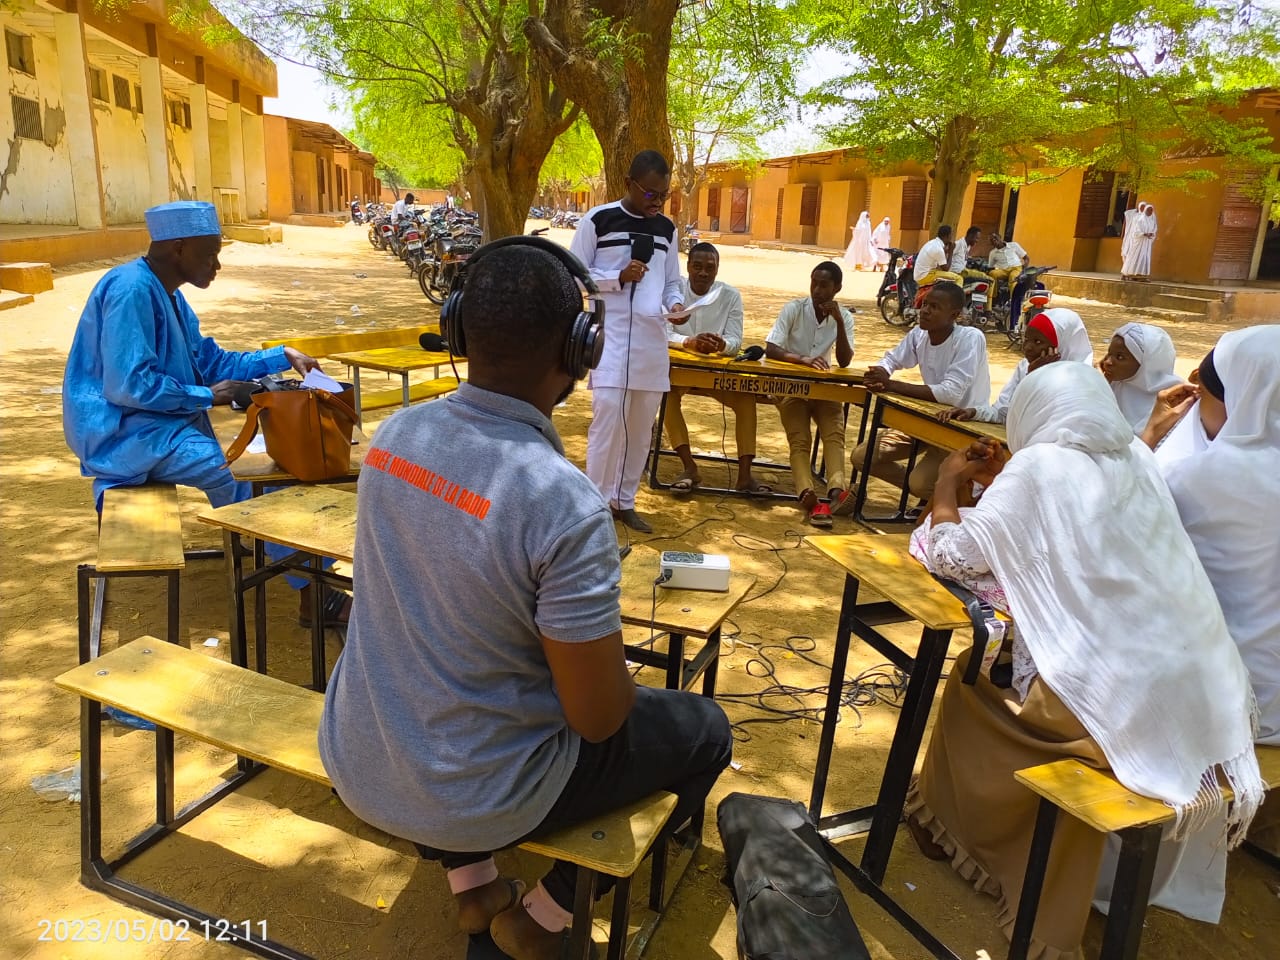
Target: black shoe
column 630, row 518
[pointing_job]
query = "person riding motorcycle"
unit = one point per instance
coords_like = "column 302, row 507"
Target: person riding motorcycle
column 401, row 207
column 934, row 259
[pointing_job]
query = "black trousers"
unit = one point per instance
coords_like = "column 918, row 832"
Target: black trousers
column 674, row 741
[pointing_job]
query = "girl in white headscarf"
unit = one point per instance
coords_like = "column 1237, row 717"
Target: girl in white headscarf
column 1139, row 364
column 881, row 240
column 1132, row 664
column 860, row 256
column 1056, row 334
column 1129, row 240
column 1147, row 228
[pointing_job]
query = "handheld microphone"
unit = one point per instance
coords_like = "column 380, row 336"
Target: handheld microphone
column 433, row 343
column 642, row 247
column 752, row 353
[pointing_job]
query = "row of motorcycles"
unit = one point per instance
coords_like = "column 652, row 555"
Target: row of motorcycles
column 433, row 242
column 987, row 304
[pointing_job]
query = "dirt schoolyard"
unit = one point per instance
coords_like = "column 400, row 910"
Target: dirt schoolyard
column 284, row 851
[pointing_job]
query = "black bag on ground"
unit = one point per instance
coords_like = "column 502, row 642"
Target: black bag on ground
column 789, row 904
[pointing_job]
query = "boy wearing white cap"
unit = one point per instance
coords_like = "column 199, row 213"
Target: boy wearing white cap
column 140, row 377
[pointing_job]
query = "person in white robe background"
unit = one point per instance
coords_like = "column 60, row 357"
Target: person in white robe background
column 881, row 240
column 859, row 255
column 1139, row 364
column 1140, row 227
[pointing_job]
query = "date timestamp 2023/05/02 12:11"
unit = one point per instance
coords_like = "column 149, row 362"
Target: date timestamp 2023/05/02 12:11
column 148, row 930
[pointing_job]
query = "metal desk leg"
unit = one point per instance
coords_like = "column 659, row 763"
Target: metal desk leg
column 1129, row 894
column 404, row 389
column 355, row 383
column 260, row 609
column 174, row 602
column 835, row 690
column 317, row 624
column 1033, row 883
column 164, row 776
column 675, row 662
column 713, row 667
column 584, row 901
column 906, row 480
column 656, row 453
column 860, row 498
column 90, row 788
column 235, row 612
column 902, row 752
column 619, row 919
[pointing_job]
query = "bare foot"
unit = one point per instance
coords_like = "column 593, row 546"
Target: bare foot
column 478, row 906
column 521, row 937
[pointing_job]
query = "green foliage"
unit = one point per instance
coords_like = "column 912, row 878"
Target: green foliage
column 412, row 141
column 573, row 161
column 731, row 78
column 1004, row 86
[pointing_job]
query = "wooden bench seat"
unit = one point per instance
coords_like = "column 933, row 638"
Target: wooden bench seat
column 139, row 534
column 275, row 723
column 1097, row 798
column 425, row 390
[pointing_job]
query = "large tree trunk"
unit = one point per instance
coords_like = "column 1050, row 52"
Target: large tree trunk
column 623, row 92
column 956, row 163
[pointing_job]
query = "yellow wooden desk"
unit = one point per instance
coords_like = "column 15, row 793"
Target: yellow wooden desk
column 258, row 468
column 769, row 381
column 319, row 522
column 401, row 360
column 917, row 419
column 911, row 593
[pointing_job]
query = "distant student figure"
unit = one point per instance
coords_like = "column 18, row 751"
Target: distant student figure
column 1139, row 237
column 953, row 365
column 1138, row 365
column 859, row 255
column 933, row 262
column 881, row 241
column 1056, row 334
column 805, row 332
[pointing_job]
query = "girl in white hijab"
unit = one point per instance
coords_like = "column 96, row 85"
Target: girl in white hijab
column 881, row 240
column 859, row 255
column 1133, row 665
column 1056, row 334
column 1139, row 364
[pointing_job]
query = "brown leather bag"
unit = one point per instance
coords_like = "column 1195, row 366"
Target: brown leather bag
column 308, row 432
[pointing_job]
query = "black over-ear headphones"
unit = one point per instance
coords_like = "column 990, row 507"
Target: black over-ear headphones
column 585, row 344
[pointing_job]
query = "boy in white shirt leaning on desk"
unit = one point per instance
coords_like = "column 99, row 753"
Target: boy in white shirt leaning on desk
column 953, row 365
column 805, row 333
column 715, row 328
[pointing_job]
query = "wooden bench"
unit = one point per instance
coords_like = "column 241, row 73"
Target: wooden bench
column 394, row 397
column 329, row 344
column 271, row 723
column 1096, row 798
column 139, row 535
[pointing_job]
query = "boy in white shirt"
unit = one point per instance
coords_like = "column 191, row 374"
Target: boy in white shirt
column 805, row 333
column 933, row 262
column 714, row 329
column 953, row 365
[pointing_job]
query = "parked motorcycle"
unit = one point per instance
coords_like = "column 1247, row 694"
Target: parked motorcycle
column 689, row 237
column 1034, row 301
column 450, row 249
column 896, row 298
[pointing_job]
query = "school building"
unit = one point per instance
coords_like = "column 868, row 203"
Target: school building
column 113, row 111
column 325, row 170
column 1214, row 236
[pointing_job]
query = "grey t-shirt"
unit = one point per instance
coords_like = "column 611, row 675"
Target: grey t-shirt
column 474, row 536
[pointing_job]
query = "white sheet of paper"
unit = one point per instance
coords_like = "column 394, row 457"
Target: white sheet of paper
column 708, row 298
column 319, row 380
column 257, row 445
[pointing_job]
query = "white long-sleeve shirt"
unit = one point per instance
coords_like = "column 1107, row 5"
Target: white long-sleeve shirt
column 797, row 330
column 723, row 317
column 635, row 338
column 955, row 370
column 959, row 256
column 932, row 256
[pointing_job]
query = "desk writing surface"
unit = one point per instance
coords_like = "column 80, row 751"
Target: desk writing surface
column 315, row 519
column 778, row 368
column 930, row 410
column 258, row 467
column 694, row 613
column 393, row 359
column 881, row 561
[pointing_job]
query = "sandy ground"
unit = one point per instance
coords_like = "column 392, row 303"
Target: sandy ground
column 285, row 851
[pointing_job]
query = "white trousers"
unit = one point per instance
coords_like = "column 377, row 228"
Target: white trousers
column 618, row 441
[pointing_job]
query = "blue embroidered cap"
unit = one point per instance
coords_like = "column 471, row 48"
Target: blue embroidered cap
column 183, row 218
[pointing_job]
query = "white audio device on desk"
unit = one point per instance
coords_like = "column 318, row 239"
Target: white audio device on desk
column 694, row 571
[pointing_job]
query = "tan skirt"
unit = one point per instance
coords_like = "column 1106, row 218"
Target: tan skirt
column 968, row 800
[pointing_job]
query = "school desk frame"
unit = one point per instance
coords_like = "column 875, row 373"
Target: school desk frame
column 766, row 380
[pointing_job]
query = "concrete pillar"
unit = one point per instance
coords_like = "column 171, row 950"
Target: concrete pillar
column 235, row 147
column 82, row 137
column 155, row 128
column 255, row 166
column 199, row 96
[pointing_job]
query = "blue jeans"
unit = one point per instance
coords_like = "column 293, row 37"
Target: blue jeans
column 671, row 740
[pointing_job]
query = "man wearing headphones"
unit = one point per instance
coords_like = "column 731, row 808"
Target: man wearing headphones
column 483, row 694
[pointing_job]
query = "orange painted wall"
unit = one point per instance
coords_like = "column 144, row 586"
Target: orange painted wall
column 275, row 132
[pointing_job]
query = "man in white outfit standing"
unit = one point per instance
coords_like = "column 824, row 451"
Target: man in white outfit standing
column 629, row 247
